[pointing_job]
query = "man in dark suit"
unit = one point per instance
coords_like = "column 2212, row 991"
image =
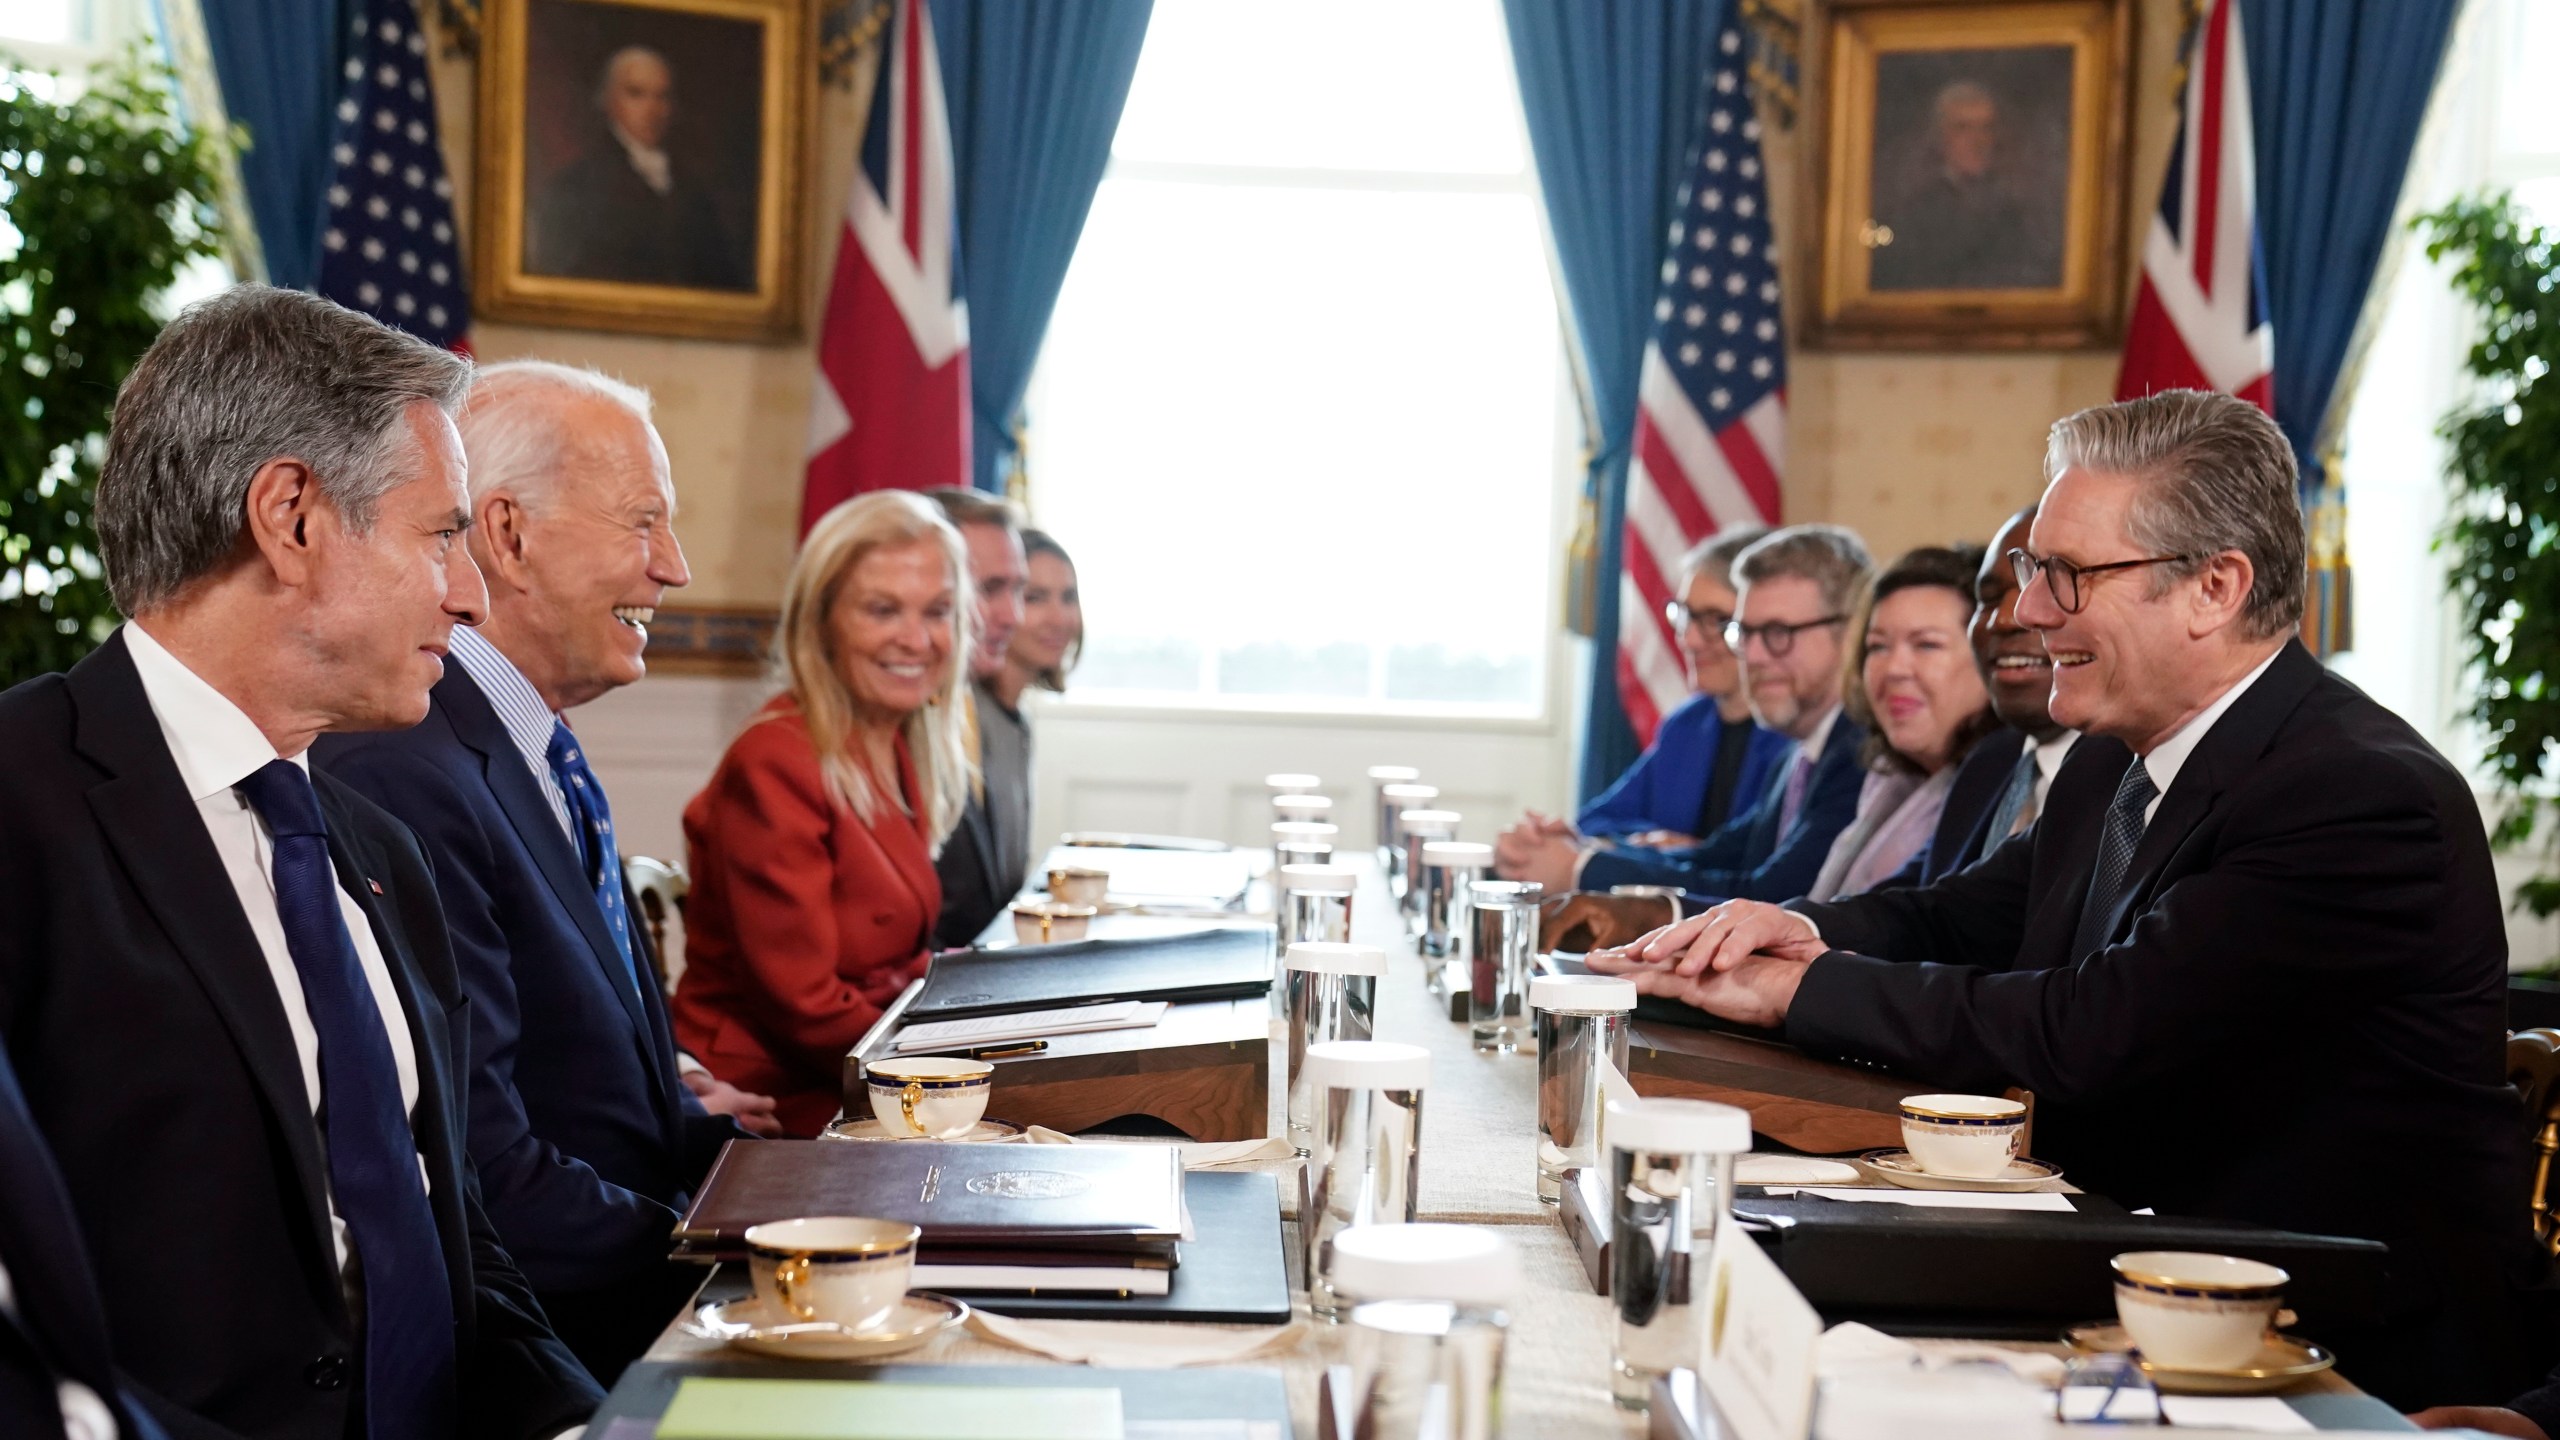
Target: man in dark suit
column 57, row 1375
column 588, row 1143
column 622, row 210
column 985, row 858
column 225, row 980
column 1797, row 587
column 2251, row 959
column 2002, row 782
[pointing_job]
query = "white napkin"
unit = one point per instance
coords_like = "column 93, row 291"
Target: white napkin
column 1849, row 1348
column 2265, row 1414
column 1793, row 1170
column 1200, row 1155
column 1131, row 1345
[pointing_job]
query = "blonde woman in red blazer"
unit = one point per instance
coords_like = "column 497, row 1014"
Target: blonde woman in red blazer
column 812, row 848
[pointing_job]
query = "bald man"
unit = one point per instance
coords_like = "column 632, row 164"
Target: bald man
column 625, row 209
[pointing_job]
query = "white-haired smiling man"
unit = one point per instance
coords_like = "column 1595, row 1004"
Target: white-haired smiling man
column 2250, row 957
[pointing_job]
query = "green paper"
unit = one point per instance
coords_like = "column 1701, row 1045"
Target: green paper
column 716, row 1409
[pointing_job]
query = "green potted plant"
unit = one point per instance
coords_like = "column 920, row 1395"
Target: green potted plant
column 106, row 197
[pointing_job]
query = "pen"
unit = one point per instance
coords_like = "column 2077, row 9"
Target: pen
column 994, row 1052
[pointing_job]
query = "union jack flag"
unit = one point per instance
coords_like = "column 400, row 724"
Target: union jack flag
column 890, row 409
column 387, row 247
column 1711, row 408
column 2200, row 321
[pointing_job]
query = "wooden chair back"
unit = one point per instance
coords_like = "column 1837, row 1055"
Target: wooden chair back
column 659, row 887
column 2533, row 1065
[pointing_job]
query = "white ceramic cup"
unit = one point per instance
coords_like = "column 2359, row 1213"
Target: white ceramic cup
column 1963, row 1137
column 839, row 1268
column 1075, row 885
column 2191, row 1311
column 929, row 1095
column 1051, row 922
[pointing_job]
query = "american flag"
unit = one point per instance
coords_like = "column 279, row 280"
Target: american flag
column 389, row 248
column 1711, row 404
column 2200, row 321
column 890, row 409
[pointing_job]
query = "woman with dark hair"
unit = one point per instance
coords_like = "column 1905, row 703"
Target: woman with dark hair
column 1913, row 685
column 1051, row 637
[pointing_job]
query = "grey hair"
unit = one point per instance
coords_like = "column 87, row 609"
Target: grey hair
column 1714, row 555
column 2216, row 475
column 252, row 375
column 613, row 66
column 514, row 442
column 1831, row 556
column 1958, row 92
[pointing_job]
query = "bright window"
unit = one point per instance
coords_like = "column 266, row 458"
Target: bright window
column 1296, row 415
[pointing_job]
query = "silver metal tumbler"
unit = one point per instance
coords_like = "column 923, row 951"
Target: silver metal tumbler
column 1581, row 1024
column 1415, row 829
column 1425, row 1338
column 1315, row 903
column 1365, row 1165
column 1502, row 944
column 1393, row 801
column 1332, row 995
column 1317, row 808
column 1380, row 777
column 1448, row 868
column 1671, row 1173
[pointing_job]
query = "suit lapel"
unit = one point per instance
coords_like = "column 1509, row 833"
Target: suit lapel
column 158, row 835
column 476, row 725
column 2065, row 837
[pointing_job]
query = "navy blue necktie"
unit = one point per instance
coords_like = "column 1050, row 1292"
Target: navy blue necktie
column 592, row 819
column 374, row 1182
column 2116, row 842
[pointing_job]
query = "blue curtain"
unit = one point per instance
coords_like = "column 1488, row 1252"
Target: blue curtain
column 1034, row 92
column 2336, row 92
column 278, row 63
column 1613, row 94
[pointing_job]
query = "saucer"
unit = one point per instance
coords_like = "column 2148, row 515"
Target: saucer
column 1896, row 1167
column 870, row 1128
column 2280, row 1362
column 745, row 1323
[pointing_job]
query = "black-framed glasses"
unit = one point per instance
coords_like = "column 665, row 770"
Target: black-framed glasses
column 1682, row 617
column 1775, row 636
column 2063, row 580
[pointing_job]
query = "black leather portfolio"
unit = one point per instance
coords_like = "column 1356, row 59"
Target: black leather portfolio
column 2019, row 1274
column 1216, row 964
column 1183, row 1401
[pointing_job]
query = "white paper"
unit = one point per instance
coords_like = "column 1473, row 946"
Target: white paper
column 1945, row 1199
column 1757, row 1342
column 1032, row 1279
column 1131, row 1344
column 1029, row 1025
column 1793, row 1170
column 2262, row 1414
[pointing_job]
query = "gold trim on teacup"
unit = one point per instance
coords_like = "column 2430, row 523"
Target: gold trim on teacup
column 837, row 1254
column 1923, row 1112
column 2220, row 1289
column 886, row 1080
column 934, row 1072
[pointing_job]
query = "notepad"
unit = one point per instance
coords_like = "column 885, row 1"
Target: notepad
column 1941, row 1199
column 1029, row 1025
column 709, row 1408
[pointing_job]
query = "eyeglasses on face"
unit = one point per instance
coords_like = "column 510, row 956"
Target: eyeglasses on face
column 2065, row 581
column 1682, row 617
column 1775, row 636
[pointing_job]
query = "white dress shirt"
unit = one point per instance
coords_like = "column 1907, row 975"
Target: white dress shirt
column 526, row 719
column 2170, row 756
column 216, row 747
column 2049, row 757
column 84, row 1415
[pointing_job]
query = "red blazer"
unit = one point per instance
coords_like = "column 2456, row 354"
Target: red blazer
column 804, row 923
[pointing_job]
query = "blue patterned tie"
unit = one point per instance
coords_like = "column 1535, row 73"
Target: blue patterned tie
column 2116, row 844
column 592, row 819
column 374, row 1182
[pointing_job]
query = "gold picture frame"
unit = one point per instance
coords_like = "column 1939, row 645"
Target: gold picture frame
column 643, row 165
column 1969, row 169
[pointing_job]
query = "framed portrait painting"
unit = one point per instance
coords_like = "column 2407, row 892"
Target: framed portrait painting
column 642, row 164
column 1969, row 173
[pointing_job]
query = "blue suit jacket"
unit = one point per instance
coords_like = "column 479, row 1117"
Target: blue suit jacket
column 1667, row 786
column 588, row 1143
column 1748, row 859
column 61, row 1327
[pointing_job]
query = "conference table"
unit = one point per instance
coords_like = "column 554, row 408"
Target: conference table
column 1478, row 1168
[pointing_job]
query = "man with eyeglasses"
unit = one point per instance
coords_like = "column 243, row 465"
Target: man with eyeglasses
column 1797, row 588
column 2251, row 959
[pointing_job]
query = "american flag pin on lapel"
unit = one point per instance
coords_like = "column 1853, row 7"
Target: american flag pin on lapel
column 376, row 884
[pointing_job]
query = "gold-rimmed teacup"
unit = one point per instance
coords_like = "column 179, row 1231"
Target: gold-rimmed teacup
column 1963, row 1137
column 845, row 1270
column 2188, row 1310
column 1077, row 885
column 929, row 1095
column 1051, row 922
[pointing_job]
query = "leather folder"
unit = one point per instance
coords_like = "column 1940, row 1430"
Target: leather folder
column 1217, row 964
column 1909, row 1270
column 1030, row 1200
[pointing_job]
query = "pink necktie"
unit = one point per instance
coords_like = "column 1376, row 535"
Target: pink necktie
column 1793, row 801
